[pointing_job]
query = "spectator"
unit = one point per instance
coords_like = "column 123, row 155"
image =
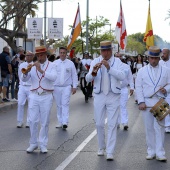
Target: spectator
column 6, row 72
column 14, row 64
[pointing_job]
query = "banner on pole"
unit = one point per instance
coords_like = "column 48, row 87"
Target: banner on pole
column 35, row 26
column 55, row 28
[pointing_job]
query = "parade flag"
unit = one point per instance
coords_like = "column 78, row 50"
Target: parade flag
column 148, row 37
column 120, row 31
column 76, row 29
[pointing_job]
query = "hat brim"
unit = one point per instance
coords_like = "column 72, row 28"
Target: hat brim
column 150, row 55
column 45, row 51
column 104, row 48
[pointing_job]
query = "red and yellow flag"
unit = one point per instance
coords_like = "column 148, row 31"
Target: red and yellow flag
column 148, row 37
column 76, row 29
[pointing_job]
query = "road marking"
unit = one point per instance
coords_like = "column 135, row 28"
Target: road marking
column 76, row 152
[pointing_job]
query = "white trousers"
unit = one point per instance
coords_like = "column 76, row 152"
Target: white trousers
column 40, row 106
column 123, row 118
column 62, row 99
column 106, row 104
column 154, row 134
column 23, row 95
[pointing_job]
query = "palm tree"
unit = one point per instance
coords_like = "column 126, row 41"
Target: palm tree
column 16, row 11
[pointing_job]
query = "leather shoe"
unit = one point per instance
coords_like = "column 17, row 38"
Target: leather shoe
column 150, row 157
column 109, row 157
column 126, row 127
column 32, row 148
column 100, row 152
column 162, row 158
column 43, row 149
column 64, row 127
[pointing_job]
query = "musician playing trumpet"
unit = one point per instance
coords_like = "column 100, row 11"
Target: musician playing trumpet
column 152, row 83
column 106, row 71
column 42, row 76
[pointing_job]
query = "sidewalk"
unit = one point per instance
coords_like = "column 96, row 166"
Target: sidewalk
column 7, row 105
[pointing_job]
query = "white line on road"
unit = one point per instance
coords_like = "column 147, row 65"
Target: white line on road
column 77, row 151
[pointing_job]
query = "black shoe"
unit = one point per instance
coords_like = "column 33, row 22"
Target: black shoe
column 64, row 127
column 126, row 127
column 5, row 100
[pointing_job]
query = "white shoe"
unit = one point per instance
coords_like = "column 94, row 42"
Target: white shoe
column 167, row 130
column 13, row 100
column 19, row 125
column 32, row 148
column 27, row 125
column 150, row 157
column 161, row 158
column 43, row 149
column 109, row 157
column 59, row 125
column 100, row 152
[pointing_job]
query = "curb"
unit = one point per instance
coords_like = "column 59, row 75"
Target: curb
column 7, row 105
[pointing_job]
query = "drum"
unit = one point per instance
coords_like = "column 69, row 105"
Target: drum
column 160, row 109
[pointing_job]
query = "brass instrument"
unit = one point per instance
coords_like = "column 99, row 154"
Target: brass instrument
column 25, row 70
column 94, row 72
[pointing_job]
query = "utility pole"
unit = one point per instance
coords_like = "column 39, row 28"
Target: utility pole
column 45, row 16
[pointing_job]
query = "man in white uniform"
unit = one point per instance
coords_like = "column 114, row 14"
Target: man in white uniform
column 166, row 62
column 106, row 71
column 123, row 118
column 86, row 88
column 150, row 80
column 42, row 76
column 65, row 84
column 24, row 90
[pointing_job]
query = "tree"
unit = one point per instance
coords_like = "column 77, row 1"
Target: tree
column 15, row 11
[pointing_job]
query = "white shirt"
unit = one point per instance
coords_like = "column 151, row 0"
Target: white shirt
column 165, row 63
column 66, row 73
column 86, row 61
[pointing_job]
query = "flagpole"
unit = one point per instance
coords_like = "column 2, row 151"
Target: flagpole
column 82, row 43
column 87, row 25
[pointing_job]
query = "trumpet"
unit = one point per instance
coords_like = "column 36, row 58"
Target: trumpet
column 25, row 70
column 95, row 70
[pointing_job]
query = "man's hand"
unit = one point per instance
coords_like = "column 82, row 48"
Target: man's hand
column 131, row 92
column 142, row 106
column 73, row 90
column 106, row 64
column 162, row 90
column 38, row 67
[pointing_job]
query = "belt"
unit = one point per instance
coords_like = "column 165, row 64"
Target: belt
column 43, row 93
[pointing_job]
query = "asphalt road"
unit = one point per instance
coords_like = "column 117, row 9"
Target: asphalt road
column 130, row 150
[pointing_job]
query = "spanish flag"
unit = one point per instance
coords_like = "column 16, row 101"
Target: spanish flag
column 76, row 29
column 148, row 37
